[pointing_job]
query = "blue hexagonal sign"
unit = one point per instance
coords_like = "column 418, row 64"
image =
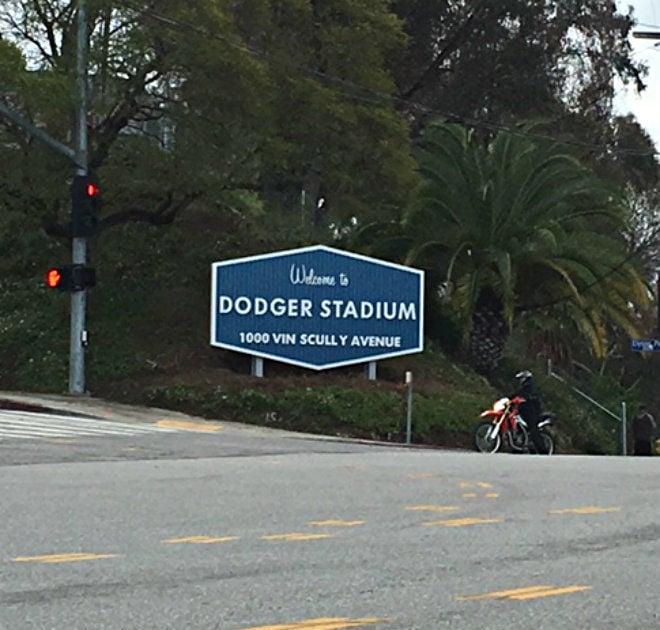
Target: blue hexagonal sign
column 317, row 307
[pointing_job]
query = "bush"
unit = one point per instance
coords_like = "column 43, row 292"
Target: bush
column 364, row 413
column 33, row 348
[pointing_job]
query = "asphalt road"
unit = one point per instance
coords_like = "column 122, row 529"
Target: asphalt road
column 243, row 528
column 38, row 438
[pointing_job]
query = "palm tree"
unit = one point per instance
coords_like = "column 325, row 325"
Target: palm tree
column 517, row 226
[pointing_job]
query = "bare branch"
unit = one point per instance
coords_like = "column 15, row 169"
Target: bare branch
column 48, row 25
column 121, row 115
column 457, row 39
column 163, row 215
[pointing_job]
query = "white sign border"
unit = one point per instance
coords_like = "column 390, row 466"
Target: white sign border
column 300, row 250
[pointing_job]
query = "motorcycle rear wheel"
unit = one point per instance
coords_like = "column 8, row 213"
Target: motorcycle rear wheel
column 483, row 442
column 548, row 444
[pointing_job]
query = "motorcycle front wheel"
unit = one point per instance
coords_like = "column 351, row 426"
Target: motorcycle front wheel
column 483, row 440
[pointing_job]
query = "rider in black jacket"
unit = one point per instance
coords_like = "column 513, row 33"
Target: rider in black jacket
column 530, row 410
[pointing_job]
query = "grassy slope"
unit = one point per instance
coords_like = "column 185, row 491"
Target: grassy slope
column 446, row 399
column 148, row 323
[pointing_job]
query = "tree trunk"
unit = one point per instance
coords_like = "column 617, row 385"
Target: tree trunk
column 488, row 334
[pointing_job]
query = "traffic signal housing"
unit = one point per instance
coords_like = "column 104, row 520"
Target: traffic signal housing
column 85, row 205
column 71, row 278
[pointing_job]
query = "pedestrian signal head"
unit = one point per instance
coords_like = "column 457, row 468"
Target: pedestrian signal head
column 53, row 278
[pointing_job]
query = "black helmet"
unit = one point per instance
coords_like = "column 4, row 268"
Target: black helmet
column 524, row 377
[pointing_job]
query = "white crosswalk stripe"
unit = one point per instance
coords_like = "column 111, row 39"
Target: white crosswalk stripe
column 22, row 425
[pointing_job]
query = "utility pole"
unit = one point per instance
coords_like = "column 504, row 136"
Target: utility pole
column 79, row 243
column 79, row 157
column 654, row 35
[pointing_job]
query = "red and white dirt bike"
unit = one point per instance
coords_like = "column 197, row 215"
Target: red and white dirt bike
column 503, row 422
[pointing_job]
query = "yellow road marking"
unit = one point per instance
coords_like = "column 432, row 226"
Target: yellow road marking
column 199, row 540
column 525, row 593
column 432, row 508
column 461, row 522
column 483, row 484
column 465, row 484
column 58, row 441
column 65, row 557
column 336, row 523
column 323, row 623
column 503, row 594
column 189, row 426
column 585, row 510
column 474, row 495
column 296, row 536
column 422, row 475
column 550, row 593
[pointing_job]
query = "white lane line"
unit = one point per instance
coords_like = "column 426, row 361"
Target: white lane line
column 72, row 426
column 34, row 436
column 91, row 423
column 22, row 425
column 42, row 416
column 28, row 432
column 60, row 426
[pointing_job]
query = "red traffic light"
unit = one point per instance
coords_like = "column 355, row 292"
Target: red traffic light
column 85, row 205
column 53, row 278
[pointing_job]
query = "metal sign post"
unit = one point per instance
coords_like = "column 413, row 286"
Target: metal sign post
column 624, row 437
column 257, row 367
column 409, row 384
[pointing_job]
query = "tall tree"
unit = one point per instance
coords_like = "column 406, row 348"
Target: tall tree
column 519, row 227
column 489, row 64
column 196, row 102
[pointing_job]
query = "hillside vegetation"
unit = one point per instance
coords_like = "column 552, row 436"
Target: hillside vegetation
column 148, row 322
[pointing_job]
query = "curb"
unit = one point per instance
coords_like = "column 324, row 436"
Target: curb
column 13, row 404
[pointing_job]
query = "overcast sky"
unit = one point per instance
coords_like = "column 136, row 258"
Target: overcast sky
column 647, row 106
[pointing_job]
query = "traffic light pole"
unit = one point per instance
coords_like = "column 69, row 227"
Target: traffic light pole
column 79, row 156
column 79, row 243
